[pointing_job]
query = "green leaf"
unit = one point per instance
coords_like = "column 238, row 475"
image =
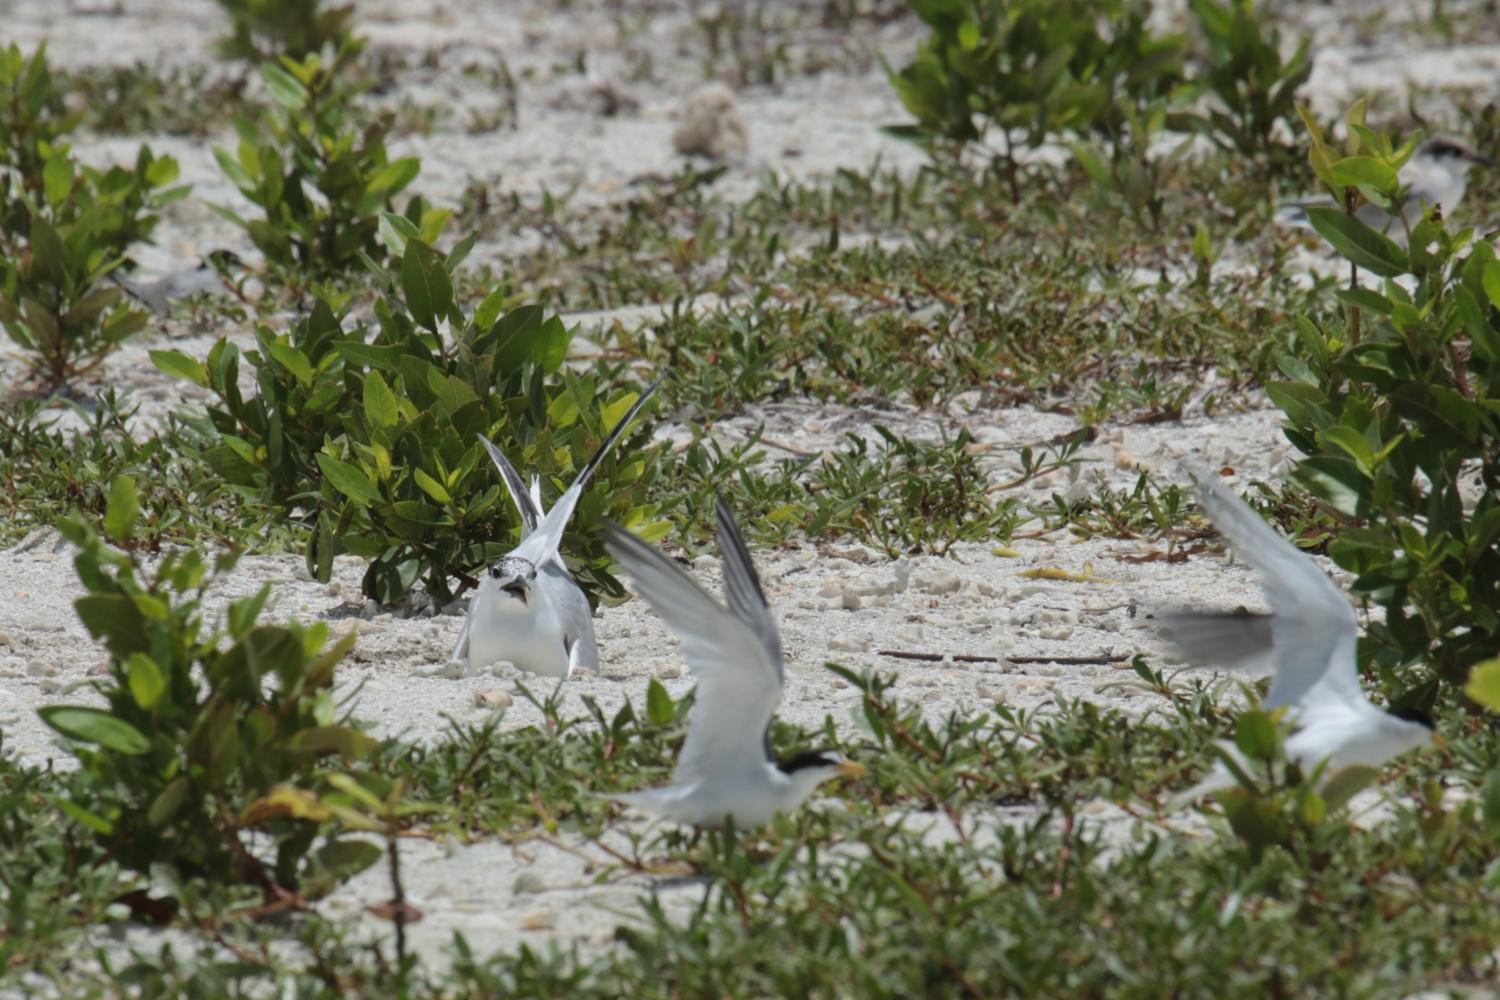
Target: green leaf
column 395, row 230
column 658, row 704
column 1343, row 785
column 381, row 407
column 1337, row 480
column 123, row 510
column 431, row 487
column 1255, row 735
column 179, row 365
column 168, row 801
column 91, row 725
column 115, row 619
column 81, row 815
column 57, row 179
column 1365, row 171
column 284, row 88
column 293, row 361
column 394, row 176
column 145, row 679
column 349, row 480
column 613, row 413
column 1353, row 442
column 1360, row 244
column 426, row 285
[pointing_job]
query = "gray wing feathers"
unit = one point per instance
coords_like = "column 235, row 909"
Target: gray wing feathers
column 735, row 655
column 572, row 609
column 543, row 543
column 682, row 604
column 742, row 585
column 1313, row 628
column 1294, row 584
column 1219, row 639
column 526, row 503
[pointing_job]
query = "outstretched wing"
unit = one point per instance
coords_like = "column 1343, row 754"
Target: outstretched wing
column 1312, row 625
column 526, row 503
column 543, row 543
column 734, row 653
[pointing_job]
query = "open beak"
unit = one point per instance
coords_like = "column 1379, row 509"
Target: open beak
column 852, row 769
column 516, row 590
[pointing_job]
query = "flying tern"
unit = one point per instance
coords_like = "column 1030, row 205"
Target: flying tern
column 1436, row 175
column 726, row 769
column 1309, row 637
column 528, row 609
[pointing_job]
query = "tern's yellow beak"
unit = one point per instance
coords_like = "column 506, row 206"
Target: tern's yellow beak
column 852, row 769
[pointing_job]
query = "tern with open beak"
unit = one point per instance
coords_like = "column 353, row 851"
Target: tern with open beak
column 528, row 610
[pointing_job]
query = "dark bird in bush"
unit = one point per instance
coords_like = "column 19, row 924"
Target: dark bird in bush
column 1309, row 637
column 726, row 770
column 1436, row 175
column 528, row 609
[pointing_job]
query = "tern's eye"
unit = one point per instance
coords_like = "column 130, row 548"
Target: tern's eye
column 496, row 572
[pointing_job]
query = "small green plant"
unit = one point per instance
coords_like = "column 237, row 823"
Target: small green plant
column 320, row 180
column 374, row 441
column 65, row 228
column 1253, row 83
column 202, row 744
column 51, row 465
column 1398, row 420
column 1128, row 173
column 267, row 29
column 1035, row 67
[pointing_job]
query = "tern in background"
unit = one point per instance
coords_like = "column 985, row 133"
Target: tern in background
column 1309, row 636
column 1436, row 175
column 210, row 276
column 528, row 609
column 726, row 770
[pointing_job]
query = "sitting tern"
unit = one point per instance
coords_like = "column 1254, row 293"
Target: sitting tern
column 528, row 609
column 1310, row 637
column 726, row 770
column 1436, row 175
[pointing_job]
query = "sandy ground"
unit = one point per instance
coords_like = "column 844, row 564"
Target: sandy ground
column 836, row 602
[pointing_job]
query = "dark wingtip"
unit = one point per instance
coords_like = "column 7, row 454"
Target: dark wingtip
column 616, row 431
column 732, row 543
column 806, row 759
column 1409, row 714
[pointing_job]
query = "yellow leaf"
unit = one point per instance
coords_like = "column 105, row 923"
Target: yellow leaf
column 284, row 801
column 1006, row 551
column 1484, row 684
column 1056, row 573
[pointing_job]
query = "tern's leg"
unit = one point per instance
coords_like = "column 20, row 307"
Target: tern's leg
column 583, row 654
column 461, row 648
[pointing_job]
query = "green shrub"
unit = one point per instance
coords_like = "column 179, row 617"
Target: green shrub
column 202, row 746
column 1395, row 405
column 320, row 179
column 1033, row 66
column 266, row 29
column 374, row 441
column 64, row 228
column 1255, row 87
